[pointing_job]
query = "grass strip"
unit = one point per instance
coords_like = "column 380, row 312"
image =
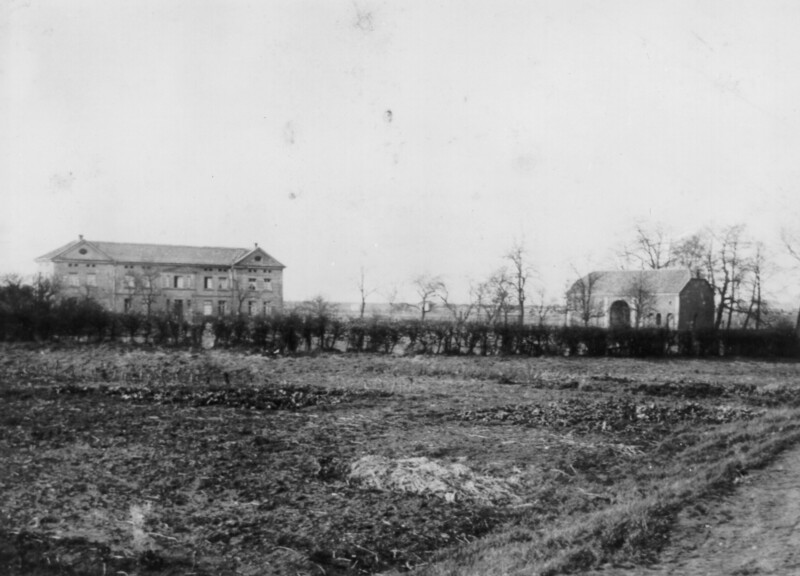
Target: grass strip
column 636, row 528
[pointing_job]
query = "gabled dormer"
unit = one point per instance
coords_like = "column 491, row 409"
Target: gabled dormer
column 79, row 250
column 257, row 258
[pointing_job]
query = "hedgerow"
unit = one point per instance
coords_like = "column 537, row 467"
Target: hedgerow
column 83, row 320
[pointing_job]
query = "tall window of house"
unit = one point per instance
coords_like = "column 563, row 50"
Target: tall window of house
column 658, row 319
column 251, row 283
column 130, row 281
column 126, row 304
column 266, row 308
column 222, row 282
column 207, row 308
column 251, row 307
column 91, row 279
column 268, row 284
column 208, row 283
column 73, row 279
column 222, row 307
column 178, row 282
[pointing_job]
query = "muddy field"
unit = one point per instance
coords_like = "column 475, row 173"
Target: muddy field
column 151, row 462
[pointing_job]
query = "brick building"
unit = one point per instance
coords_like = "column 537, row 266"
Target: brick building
column 661, row 298
column 185, row 280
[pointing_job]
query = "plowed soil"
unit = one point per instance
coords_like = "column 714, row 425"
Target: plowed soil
column 153, row 462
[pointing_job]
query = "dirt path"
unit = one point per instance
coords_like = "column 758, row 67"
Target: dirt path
column 755, row 530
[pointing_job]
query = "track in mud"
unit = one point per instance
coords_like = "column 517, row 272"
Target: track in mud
column 754, row 530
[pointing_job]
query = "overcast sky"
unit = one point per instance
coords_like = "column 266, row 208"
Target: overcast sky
column 399, row 136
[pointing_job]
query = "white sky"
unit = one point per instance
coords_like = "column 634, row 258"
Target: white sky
column 560, row 122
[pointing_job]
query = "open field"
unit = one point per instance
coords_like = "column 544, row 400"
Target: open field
column 154, row 462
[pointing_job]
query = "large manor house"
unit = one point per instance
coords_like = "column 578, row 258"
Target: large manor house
column 185, row 280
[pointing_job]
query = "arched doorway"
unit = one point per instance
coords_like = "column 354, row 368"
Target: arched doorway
column 619, row 315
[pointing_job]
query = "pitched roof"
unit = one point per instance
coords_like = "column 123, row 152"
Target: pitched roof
column 53, row 253
column 162, row 253
column 617, row 282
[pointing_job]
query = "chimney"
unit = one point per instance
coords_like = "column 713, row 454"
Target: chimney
column 80, row 236
column 256, row 244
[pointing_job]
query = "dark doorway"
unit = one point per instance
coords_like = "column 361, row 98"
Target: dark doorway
column 619, row 316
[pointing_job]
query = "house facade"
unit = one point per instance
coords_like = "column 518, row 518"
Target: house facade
column 183, row 280
column 648, row 298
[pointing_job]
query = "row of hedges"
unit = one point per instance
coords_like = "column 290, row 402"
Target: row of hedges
column 84, row 320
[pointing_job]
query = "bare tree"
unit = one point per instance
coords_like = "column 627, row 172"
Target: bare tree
column 581, row 298
column 428, row 289
column 758, row 268
column 650, row 247
column 501, row 294
column 726, row 267
column 145, row 284
column 791, row 240
column 460, row 313
column 692, row 251
column 391, row 295
column 318, row 306
column 542, row 308
column 364, row 292
column 642, row 297
column 480, row 298
column 520, row 274
column 493, row 297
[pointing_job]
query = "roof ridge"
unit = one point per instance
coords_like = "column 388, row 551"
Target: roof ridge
column 167, row 245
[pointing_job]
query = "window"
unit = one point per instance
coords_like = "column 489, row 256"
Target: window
column 266, row 309
column 251, row 283
column 251, row 307
column 268, row 284
column 207, row 308
column 130, row 281
column 91, row 279
column 658, row 319
column 222, row 283
column 257, row 258
column 73, row 279
column 222, row 307
column 178, row 282
column 208, row 283
column 126, row 304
